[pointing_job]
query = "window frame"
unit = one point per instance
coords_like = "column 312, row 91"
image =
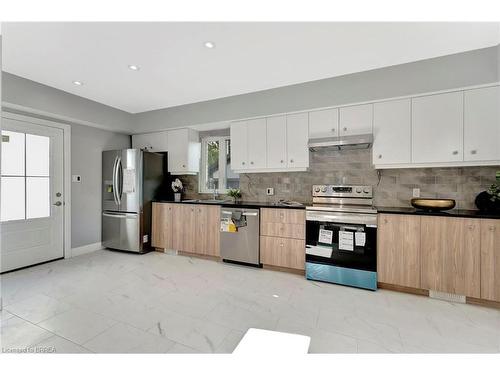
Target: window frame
column 202, row 180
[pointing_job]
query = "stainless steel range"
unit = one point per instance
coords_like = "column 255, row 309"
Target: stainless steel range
column 341, row 236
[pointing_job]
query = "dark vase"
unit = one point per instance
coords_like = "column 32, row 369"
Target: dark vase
column 484, row 203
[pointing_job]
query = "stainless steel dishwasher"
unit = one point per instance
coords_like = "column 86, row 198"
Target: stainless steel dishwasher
column 241, row 246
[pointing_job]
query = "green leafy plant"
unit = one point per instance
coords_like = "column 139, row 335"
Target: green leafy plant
column 234, row 193
column 494, row 190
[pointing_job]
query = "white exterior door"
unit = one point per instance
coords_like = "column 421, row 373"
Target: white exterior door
column 32, row 201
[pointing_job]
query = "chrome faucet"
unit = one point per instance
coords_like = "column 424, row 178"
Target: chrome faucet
column 211, row 185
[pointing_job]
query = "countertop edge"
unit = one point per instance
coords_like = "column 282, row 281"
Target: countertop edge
column 474, row 214
column 237, row 205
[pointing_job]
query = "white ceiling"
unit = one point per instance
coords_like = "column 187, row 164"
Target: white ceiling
column 177, row 69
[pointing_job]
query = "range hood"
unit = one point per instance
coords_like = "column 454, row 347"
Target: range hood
column 349, row 142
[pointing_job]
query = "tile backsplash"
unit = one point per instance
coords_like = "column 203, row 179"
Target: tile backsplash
column 394, row 188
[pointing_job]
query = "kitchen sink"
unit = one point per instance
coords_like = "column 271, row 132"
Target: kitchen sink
column 214, row 201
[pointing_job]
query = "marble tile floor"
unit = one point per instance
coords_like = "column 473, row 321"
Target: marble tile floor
column 112, row 302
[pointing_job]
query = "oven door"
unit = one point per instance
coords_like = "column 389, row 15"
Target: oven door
column 342, row 239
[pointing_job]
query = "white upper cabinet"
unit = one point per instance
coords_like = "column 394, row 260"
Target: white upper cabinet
column 437, row 128
column 184, row 150
column 257, row 147
column 276, row 142
column 239, row 145
column 356, row 120
column 482, row 124
column 297, row 138
column 157, row 142
column 324, row 123
column 392, row 132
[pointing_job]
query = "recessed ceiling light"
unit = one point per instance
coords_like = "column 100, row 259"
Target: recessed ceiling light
column 133, row 67
column 210, row 44
column 78, row 83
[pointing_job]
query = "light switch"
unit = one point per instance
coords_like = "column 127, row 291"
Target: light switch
column 76, row 178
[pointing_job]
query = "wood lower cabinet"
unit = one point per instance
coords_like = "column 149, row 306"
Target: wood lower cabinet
column 161, row 233
column 207, row 238
column 450, row 255
column 490, row 259
column 186, row 227
column 398, row 249
column 282, row 237
column 282, row 252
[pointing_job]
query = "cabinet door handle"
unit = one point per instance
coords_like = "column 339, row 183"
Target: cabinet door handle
column 455, row 152
column 243, row 163
column 345, row 129
column 183, row 165
column 281, row 161
column 492, row 228
column 380, row 156
column 473, row 152
column 291, row 160
column 471, row 227
column 251, row 162
column 333, row 130
column 281, row 244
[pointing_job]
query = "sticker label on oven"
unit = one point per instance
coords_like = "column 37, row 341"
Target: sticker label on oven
column 325, row 236
column 360, row 239
column 346, row 240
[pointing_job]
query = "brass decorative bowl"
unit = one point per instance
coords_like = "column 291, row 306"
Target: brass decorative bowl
column 433, row 204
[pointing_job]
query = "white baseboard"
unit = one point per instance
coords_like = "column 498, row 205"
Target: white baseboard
column 86, row 249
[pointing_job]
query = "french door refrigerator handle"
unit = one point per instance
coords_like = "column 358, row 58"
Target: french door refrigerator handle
column 115, row 187
column 118, row 183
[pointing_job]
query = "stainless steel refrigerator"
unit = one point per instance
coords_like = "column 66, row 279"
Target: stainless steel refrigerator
column 132, row 178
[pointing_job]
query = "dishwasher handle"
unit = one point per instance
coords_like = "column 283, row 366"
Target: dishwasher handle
column 243, row 213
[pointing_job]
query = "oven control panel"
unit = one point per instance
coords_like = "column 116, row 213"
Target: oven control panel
column 344, row 191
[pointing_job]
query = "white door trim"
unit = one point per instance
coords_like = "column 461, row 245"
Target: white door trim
column 67, row 170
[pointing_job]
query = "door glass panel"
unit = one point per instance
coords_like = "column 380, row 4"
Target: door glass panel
column 12, row 153
column 12, row 201
column 37, row 155
column 37, row 197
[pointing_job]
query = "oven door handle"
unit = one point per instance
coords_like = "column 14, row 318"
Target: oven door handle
column 370, row 220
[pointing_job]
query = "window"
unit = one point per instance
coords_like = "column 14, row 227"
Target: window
column 25, row 176
column 216, row 170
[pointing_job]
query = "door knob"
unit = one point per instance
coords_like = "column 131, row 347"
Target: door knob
column 58, row 194
column 58, row 203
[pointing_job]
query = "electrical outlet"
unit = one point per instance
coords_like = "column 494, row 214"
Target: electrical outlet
column 270, row 191
column 416, row 193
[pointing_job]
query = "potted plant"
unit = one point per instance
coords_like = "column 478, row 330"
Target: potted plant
column 235, row 194
column 489, row 200
column 177, row 188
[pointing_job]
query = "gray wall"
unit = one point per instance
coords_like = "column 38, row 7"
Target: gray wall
column 53, row 102
column 87, row 145
column 463, row 69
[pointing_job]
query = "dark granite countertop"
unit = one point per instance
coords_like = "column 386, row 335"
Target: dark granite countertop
column 242, row 204
column 450, row 213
